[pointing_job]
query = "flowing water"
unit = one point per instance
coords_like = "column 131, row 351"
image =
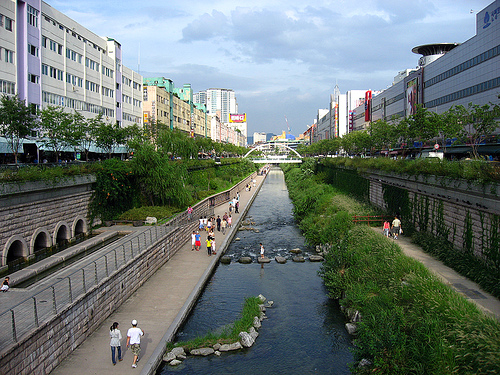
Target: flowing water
column 304, row 332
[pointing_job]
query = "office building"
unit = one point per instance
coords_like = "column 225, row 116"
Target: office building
column 49, row 59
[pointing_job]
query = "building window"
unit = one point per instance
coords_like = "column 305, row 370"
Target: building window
column 33, row 78
column 52, row 45
column 33, row 50
column 8, row 23
column 45, row 69
column 9, row 56
column 32, row 16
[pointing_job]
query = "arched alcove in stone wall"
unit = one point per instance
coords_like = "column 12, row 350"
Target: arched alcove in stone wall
column 62, row 233
column 79, row 226
column 15, row 248
column 40, row 239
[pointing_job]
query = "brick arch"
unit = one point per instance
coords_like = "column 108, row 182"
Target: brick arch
column 15, row 247
column 40, row 239
column 79, row 226
column 62, row 232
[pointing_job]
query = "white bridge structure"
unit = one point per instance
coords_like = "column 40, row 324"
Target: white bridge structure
column 274, row 153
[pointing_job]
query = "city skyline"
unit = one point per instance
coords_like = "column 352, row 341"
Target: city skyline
column 281, row 59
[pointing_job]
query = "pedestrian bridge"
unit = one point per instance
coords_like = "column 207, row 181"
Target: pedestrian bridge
column 274, row 153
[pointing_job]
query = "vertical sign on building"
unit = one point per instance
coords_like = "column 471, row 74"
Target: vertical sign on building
column 336, row 127
column 351, row 121
column 368, row 105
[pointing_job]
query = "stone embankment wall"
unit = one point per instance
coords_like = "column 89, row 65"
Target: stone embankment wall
column 46, row 346
column 41, row 214
column 467, row 213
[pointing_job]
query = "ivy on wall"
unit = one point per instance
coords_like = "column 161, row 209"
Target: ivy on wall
column 347, row 181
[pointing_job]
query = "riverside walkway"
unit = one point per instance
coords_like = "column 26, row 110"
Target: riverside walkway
column 159, row 305
column 469, row 289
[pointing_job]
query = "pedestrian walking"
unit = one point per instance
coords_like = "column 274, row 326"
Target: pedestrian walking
column 386, row 228
column 190, row 213
column 219, row 221
column 223, row 226
column 229, row 221
column 193, row 240
column 200, row 226
column 236, row 207
column 396, row 227
column 261, row 250
column 230, row 207
column 134, row 340
column 224, row 217
column 209, row 245
column 116, row 337
column 213, row 246
column 209, row 225
column 5, row 284
column 197, row 241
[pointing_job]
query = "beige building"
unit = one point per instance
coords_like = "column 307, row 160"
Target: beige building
column 163, row 103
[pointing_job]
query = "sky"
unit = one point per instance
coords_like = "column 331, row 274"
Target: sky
column 281, row 58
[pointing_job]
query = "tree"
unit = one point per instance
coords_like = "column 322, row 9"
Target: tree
column 83, row 133
column 478, row 122
column 423, row 125
column 16, row 121
column 356, row 142
column 107, row 135
column 55, row 123
column 383, row 134
column 450, row 126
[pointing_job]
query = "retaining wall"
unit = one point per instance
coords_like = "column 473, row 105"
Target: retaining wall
column 30, row 208
column 462, row 208
column 54, row 339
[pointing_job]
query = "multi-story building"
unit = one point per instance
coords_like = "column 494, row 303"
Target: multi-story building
column 49, row 59
column 259, row 137
column 162, row 102
column 449, row 74
column 223, row 133
column 222, row 100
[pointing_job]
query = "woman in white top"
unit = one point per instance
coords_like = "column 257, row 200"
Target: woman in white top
column 116, row 336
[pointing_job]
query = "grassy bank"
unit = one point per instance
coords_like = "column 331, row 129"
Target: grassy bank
column 411, row 322
column 229, row 334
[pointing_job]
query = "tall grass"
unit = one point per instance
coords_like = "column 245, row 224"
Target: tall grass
column 228, row 334
column 411, row 323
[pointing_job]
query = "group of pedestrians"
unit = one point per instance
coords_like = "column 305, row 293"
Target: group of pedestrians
column 392, row 229
column 208, row 225
column 134, row 335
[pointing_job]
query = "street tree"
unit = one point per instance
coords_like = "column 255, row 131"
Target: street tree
column 107, row 136
column 17, row 121
column 478, row 122
column 423, row 126
column 55, row 126
column 356, row 142
column 383, row 134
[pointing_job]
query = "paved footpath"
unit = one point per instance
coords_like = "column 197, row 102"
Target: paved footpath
column 461, row 284
column 157, row 305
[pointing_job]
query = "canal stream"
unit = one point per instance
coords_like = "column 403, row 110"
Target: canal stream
column 304, row 332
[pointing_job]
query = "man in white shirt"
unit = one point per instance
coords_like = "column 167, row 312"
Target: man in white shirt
column 134, row 340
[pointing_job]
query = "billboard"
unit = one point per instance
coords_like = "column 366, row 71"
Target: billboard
column 368, row 105
column 411, row 97
column 238, row 117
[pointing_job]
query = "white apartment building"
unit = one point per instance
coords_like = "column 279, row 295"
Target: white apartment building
column 53, row 60
column 218, row 100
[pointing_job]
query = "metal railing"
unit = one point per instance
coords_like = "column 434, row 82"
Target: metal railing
column 32, row 311
column 46, row 303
